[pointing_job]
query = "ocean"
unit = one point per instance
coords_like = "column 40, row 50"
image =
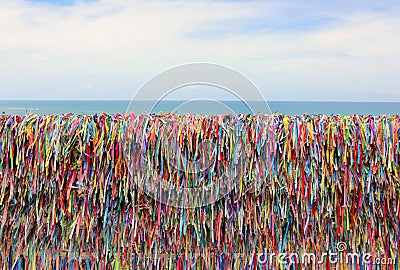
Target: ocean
column 42, row 107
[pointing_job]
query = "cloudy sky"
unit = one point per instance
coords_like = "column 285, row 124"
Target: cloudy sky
column 292, row 50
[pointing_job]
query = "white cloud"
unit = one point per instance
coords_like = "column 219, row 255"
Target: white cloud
column 120, row 44
column 390, row 92
column 383, row 91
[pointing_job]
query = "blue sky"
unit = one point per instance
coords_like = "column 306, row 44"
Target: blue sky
column 292, row 50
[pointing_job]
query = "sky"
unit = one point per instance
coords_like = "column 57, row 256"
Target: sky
column 291, row 50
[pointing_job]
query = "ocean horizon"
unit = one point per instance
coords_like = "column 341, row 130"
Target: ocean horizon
column 43, row 107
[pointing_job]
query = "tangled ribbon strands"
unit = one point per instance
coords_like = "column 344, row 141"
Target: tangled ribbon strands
column 189, row 161
column 74, row 190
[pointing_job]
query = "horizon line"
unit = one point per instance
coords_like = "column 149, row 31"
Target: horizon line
column 221, row 100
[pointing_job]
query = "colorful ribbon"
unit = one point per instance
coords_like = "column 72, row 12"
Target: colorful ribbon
column 69, row 198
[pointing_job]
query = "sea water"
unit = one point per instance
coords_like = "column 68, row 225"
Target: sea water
column 41, row 107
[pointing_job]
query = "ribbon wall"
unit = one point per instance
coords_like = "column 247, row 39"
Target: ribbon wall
column 69, row 201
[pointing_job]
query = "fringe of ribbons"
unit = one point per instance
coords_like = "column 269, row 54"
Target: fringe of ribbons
column 67, row 200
